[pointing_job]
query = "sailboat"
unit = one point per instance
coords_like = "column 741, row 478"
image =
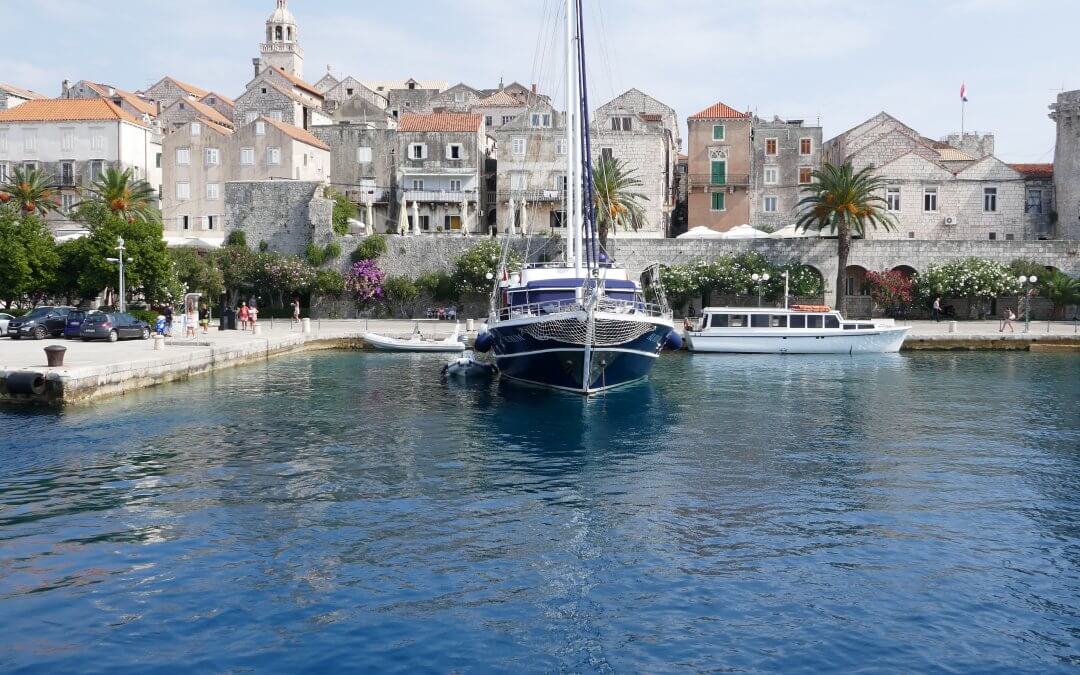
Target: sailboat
column 580, row 325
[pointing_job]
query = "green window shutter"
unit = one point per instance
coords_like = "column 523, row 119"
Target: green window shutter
column 718, row 132
column 719, row 172
column 718, row 201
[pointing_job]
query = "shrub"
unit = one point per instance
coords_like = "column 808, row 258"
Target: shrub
column 328, row 283
column 472, row 268
column 364, row 281
column 147, row 315
column 344, row 210
column 264, row 246
column 890, row 288
column 971, row 278
column 236, row 238
column 399, row 295
column 332, row 251
column 371, row 248
column 315, row 255
column 439, row 285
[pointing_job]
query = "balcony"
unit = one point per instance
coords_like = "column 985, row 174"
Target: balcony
column 364, row 195
column 710, row 180
column 440, row 196
column 530, row 195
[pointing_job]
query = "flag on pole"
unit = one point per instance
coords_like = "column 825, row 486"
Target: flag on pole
column 963, row 92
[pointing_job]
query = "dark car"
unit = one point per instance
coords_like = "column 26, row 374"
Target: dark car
column 73, row 324
column 39, row 323
column 113, row 326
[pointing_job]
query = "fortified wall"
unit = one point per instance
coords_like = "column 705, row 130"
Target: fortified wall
column 287, row 215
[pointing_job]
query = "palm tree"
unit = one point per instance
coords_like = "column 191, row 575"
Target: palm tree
column 614, row 198
column 120, row 192
column 1061, row 290
column 845, row 201
column 29, row 190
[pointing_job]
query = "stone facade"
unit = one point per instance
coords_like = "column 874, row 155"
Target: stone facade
column 287, row 215
column 409, row 99
column 282, row 47
column 186, row 110
column 223, row 104
column 281, row 96
column 643, row 132
column 459, row 98
column 718, row 167
column 783, row 153
column 412, row 256
column 363, row 166
column 1066, row 114
column 531, row 169
column 348, row 88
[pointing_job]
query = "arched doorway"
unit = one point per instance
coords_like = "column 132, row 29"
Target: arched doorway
column 907, row 270
column 855, row 284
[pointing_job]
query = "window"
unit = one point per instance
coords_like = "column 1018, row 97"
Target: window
column 211, row 222
column 349, row 91
column 560, row 147
column 778, row 321
column 806, row 175
column 417, row 151
column 607, row 154
column 718, row 132
column 452, row 223
column 424, row 220
column 993, row 236
column 718, row 201
column 260, row 128
column 557, row 219
column 759, row 320
column 718, row 321
column 196, row 129
column 797, row 321
column 487, row 120
column 3, row 171
column 540, row 119
column 929, row 200
column 157, row 160
column 459, row 97
column 1034, row 202
column 455, row 185
column 769, row 204
column 622, row 123
column 560, row 182
column 737, row 321
column 247, row 156
column 990, row 200
column 67, row 173
column 813, row 321
column 771, row 147
column 213, row 156
column 273, row 156
column 29, row 166
column 1009, row 237
column 277, row 115
column 213, row 191
column 517, row 147
column 417, row 184
column 67, row 201
column 183, row 191
column 183, row 156
column 831, row 321
column 97, row 139
column 97, row 167
column 68, row 140
column 507, row 119
column 30, row 140
column 892, row 199
column 806, row 146
column 718, row 174
column 517, row 181
column 772, row 175
column 453, row 151
column 185, row 222
column 363, row 155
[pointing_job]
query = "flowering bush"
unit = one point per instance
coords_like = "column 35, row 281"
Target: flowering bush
column 890, row 288
column 971, row 278
column 729, row 275
column 472, row 268
column 364, row 281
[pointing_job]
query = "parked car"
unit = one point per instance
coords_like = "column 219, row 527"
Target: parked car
column 4, row 319
column 113, row 326
column 39, row 323
column 74, row 322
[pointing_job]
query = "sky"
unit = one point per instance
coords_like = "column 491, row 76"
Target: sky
column 837, row 61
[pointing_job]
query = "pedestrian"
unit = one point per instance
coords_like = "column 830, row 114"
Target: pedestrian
column 1007, row 321
column 296, row 310
column 253, row 313
column 168, row 320
column 204, row 318
column 190, row 319
column 937, row 309
column 243, row 314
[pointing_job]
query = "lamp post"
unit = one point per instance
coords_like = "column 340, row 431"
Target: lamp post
column 760, row 279
column 787, row 280
column 121, row 260
column 1024, row 281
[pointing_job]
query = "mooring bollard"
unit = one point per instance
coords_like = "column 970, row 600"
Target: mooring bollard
column 952, row 326
column 307, row 326
column 159, row 342
column 54, row 355
column 257, row 329
column 469, row 323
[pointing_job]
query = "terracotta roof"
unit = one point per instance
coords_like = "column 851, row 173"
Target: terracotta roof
column 298, row 83
column 440, row 122
column 717, row 111
column 224, row 99
column 67, row 110
column 20, row 92
column 141, row 104
column 296, row 133
column 211, row 124
column 207, row 111
column 501, row 98
column 189, row 88
column 651, row 117
column 950, row 154
column 1034, row 170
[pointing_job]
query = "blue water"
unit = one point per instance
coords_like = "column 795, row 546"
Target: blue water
column 345, row 511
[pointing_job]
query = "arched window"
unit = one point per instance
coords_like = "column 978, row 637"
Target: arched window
column 288, row 31
column 277, row 33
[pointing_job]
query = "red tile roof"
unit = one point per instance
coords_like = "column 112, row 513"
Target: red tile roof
column 296, row 133
column 143, row 105
column 210, row 124
column 500, row 99
column 717, row 111
column 189, row 88
column 67, row 110
column 20, row 92
column 440, row 122
column 207, row 111
column 1034, row 170
column 298, row 83
column 224, row 99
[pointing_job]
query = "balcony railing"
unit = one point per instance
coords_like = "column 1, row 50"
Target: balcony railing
column 530, row 195
column 447, row 196
column 708, row 179
column 365, row 195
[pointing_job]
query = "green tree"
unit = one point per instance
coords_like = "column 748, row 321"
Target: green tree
column 439, row 286
column 236, row 238
column 30, row 191
column 472, row 268
column 315, row 254
column 344, row 211
column 122, row 194
column 844, row 201
column 198, row 272
column 399, row 296
column 615, row 198
column 237, row 264
column 1061, row 290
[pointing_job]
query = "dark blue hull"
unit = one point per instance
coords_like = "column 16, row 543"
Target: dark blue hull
column 573, row 367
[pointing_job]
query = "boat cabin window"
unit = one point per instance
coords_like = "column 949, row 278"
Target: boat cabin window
column 831, row 321
column 866, row 325
column 728, row 321
column 797, row 321
column 778, row 321
column 850, row 326
column 813, row 321
column 718, row 321
column 759, row 320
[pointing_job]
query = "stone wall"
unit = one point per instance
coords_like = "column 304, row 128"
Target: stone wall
column 287, row 215
column 413, row 256
column 1066, row 113
column 787, row 161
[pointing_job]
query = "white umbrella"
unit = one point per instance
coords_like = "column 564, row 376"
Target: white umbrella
column 403, row 217
column 510, row 220
column 744, row 232
column 357, row 225
column 524, row 217
column 464, row 217
column 416, row 217
column 369, row 226
column 701, row 232
column 794, row 232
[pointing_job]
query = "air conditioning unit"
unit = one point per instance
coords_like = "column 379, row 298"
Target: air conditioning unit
column 950, row 220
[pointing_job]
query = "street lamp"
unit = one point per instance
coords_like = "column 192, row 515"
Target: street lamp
column 121, row 260
column 787, row 280
column 1024, row 280
column 759, row 279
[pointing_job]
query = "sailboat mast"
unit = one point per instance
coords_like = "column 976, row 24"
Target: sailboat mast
column 571, row 219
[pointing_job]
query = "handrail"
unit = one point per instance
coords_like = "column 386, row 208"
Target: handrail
column 605, row 304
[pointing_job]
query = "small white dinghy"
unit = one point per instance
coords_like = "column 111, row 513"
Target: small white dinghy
column 416, row 342
column 466, row 366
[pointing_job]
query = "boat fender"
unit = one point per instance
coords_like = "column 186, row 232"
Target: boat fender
column 673, row 341
column 25, row 384
column 484, row 342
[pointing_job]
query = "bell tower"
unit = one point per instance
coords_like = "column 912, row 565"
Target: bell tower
column 282, row 47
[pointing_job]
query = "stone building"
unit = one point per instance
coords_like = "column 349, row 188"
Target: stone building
column 719, row 165
column 75, row 140
column 404, row 96
column 1039, row 202
column 11, row 96
column 459, row 98
column 501, row 108
column 440, row 165
column 282, row 96
column 168, row 90
column 363, row 160
column 187, row 109
column 349, row 88
column 783, row 155
column 1066, row 114
column 223, row 104
column 137, row 105
column 531, row 169
column 282, row 47
column 935, row 190
column 286, row 215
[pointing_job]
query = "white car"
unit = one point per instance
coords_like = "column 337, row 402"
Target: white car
column 4, row 319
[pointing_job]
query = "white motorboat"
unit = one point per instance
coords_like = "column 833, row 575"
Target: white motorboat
column 416, row 342
column 800, row 329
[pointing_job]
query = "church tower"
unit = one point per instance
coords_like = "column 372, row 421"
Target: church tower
column 282, row 46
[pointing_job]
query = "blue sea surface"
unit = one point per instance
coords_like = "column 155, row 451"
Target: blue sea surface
column 346, row 511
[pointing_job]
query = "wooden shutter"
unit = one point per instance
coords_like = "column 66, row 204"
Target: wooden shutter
column 719, row 172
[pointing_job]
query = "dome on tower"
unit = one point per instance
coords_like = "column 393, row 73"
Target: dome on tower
column 281, row 14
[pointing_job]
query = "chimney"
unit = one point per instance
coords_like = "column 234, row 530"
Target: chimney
column 65, row 89
column 258, row 66
column 534, row 88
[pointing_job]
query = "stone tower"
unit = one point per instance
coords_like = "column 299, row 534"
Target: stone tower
column 282, row 46
column 1066, row 113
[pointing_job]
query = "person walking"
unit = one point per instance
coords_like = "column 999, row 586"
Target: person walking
column 1007, row 320
column 937, row 309
column 168, row 320
column 190, row 319
column 253, row 314
column 204, row 318
column 296, row 310
column 243, row 314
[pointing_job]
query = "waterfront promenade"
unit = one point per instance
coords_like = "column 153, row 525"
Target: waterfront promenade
column 95, row 370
